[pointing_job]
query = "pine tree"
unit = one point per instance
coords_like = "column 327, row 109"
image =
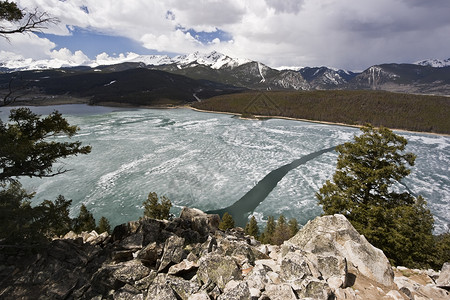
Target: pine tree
column 155, row 210
column 103, row 226
column 227, row 222
column 293, row 227
column 53, row 217
column 282, row 232
column 251, row 228
column 266, row 236
column 396, row 222
column 85, row 221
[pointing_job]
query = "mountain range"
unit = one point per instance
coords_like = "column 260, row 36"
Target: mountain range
column 187, row 78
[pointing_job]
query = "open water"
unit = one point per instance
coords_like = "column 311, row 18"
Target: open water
column 210, row 161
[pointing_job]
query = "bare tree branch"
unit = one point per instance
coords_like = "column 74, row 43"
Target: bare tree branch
column 32, row 22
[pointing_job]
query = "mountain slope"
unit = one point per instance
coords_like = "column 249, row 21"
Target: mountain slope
column 408, row 78
column 137, row 86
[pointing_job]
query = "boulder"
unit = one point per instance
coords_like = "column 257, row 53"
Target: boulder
column 149, row 254
column 132, row 242
column 279, row 292
column 258, row 278
column 160, row 291
column 70, row 235
column 314, row 289
column 201, row 222
column 444, row 278
column 183, row 288
column 219, row 269
column 130, row 271
column 184, row 267
column 334, row 235
column 199, row 296
column 294, row 267
column 235, row 290
column 128, row 292
column 121, row 231
column 145, row 282
column 173, row 252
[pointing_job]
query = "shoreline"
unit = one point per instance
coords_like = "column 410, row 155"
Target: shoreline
column 259, row 117
column 188, row 106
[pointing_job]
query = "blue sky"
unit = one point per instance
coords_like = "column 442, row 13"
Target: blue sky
column 349, row 34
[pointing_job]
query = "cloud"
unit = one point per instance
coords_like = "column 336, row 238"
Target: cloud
column 285, row 6
column 352, row 34
column 64, row 54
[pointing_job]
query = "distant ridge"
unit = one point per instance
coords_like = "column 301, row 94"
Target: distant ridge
column 424, row 77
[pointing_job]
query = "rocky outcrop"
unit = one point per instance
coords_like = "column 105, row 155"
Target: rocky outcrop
column 188, row 258
column 336, row 237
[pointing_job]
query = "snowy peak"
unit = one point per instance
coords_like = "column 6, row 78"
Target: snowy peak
column 214, row 60
column 324, row 78
column 435, row 63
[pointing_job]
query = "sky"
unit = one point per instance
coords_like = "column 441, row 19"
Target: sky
column 347, row 34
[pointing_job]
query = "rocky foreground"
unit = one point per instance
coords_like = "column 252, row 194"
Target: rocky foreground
column 189, row 258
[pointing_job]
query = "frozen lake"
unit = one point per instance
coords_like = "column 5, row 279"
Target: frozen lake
column 210, row 161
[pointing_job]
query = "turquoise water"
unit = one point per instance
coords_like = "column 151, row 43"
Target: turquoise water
column 210, row 161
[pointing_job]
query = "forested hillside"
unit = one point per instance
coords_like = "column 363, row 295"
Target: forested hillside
column 392, row 110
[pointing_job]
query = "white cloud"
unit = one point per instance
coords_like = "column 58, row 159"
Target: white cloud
column 28, row 45
column 352, row 34
column 64, row 54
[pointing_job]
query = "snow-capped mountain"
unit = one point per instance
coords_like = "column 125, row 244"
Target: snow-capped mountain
column 435, row 63
column 213, row 60
column 326, row 78
column 428, row 76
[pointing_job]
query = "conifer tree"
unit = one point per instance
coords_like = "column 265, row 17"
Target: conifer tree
column 396, row 222
column 85, row 221
column 53, row 217
column 103, row 226
column 293, row 227
column 155, row 210
column 266, row 236
column 227, row 222
column 251, row 228
column 282, row 232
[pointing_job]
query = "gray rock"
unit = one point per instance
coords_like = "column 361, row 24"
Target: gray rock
column 122, row 255
column 279, row 292
column 332, row 266
column 173, row 252
column 444, row 278
column 130, row 271
column 183, row 288
column 199, row 296
column 183, row 267
column 219, row 269
column 235, row 290
column 128, row 292
column 70, row 235
column 201, row 222
column 258, row 278
column 334, row 235
column 149, row 254
column 132, row 242
column 294, row 266
column 122, row 231
column 315, row 289
column 158, row 291
column 210, row 245
column 145, row 282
